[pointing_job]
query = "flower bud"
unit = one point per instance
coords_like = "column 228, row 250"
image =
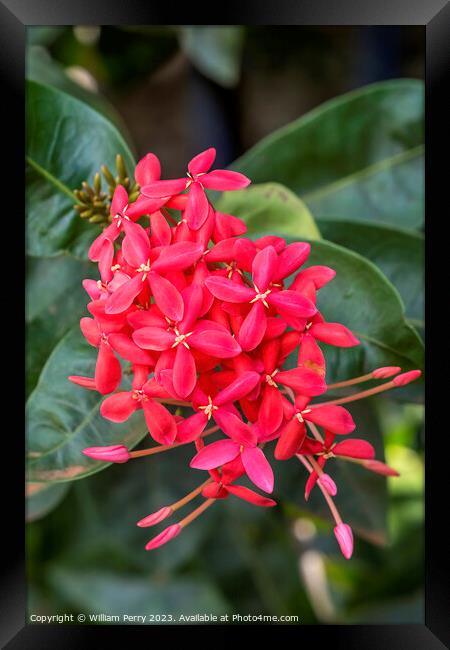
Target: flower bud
column 385, row 372
column 164, row 537
column 112, row 454
column 155, row 517
column 327, row 482
column 344, row 536
column 406, row 377
column 380, row 468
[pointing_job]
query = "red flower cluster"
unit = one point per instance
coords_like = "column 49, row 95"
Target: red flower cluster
column 207, row 320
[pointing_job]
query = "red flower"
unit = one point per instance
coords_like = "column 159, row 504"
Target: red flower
column 120, row 406
column 260, row 297
column 197, row 180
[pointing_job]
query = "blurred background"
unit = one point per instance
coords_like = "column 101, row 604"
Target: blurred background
column 176, row 91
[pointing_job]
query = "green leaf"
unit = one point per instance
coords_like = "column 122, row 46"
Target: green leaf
column 64, row 418
column 399, row 254
column 270, row 207
column 40, row 67
column 362, row 298
column 42, row 498
column 359, row 156
column 67, row 142
column 100, row 592
column 215, row 51
column 55, row 301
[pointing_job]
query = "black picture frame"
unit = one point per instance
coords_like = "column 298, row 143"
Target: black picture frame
column 434, row 15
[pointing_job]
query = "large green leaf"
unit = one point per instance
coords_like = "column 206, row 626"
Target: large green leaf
column 67, row 142
column 215, row 51
column 362, row 298
column 270, row 208
column 42, row 498
column 359, row 156
column 55, row 301
column 64, row 418
column 40, row 67
column 399, row 254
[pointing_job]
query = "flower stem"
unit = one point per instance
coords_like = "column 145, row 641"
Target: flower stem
column 161, row 448
column 351, row 382
column 190, row 496
column 315, row 431
column 352, row 398
column 328, row 499
column 196, row 513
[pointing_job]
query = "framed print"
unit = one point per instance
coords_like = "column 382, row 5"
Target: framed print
column 226, row 231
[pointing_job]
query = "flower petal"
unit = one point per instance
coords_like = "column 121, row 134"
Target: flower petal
column 167, row 297
column 214, row 342
column 147, row 170
column 107, row 370
column 105, row 260
column 184, row 372
column 136, row 245
column 161, row 234
column 161, row 424
column 310, row 356
column 123, row 297
column 147, row 318
column 119, row 200
column 334, row 334
column 263, row 267
column 229, row 291
column 202, row 162
column 234, row 427
column 271, row 410
column 144, row 205
column 85, row 382
column 193, row 304
column 177, row 257
column 224, row 180
column 291, row 259
column 197, row 207
column 124, row 346
column 215, row 454
column 354, row 448
column 292, row 303
column 248, row 495
column 318, row 275
column 119, row 407
column 226, row 225
column 306, row 382
column 257, row 468
column 240, row 387
column 290, row 440
column 253, row 328
column 191, row 428
column 90, row 331
column 158, row 189
column 153, row 338
column 335, row 418
column 111, row 233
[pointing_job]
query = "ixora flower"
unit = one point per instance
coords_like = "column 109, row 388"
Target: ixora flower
column 211, row 320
